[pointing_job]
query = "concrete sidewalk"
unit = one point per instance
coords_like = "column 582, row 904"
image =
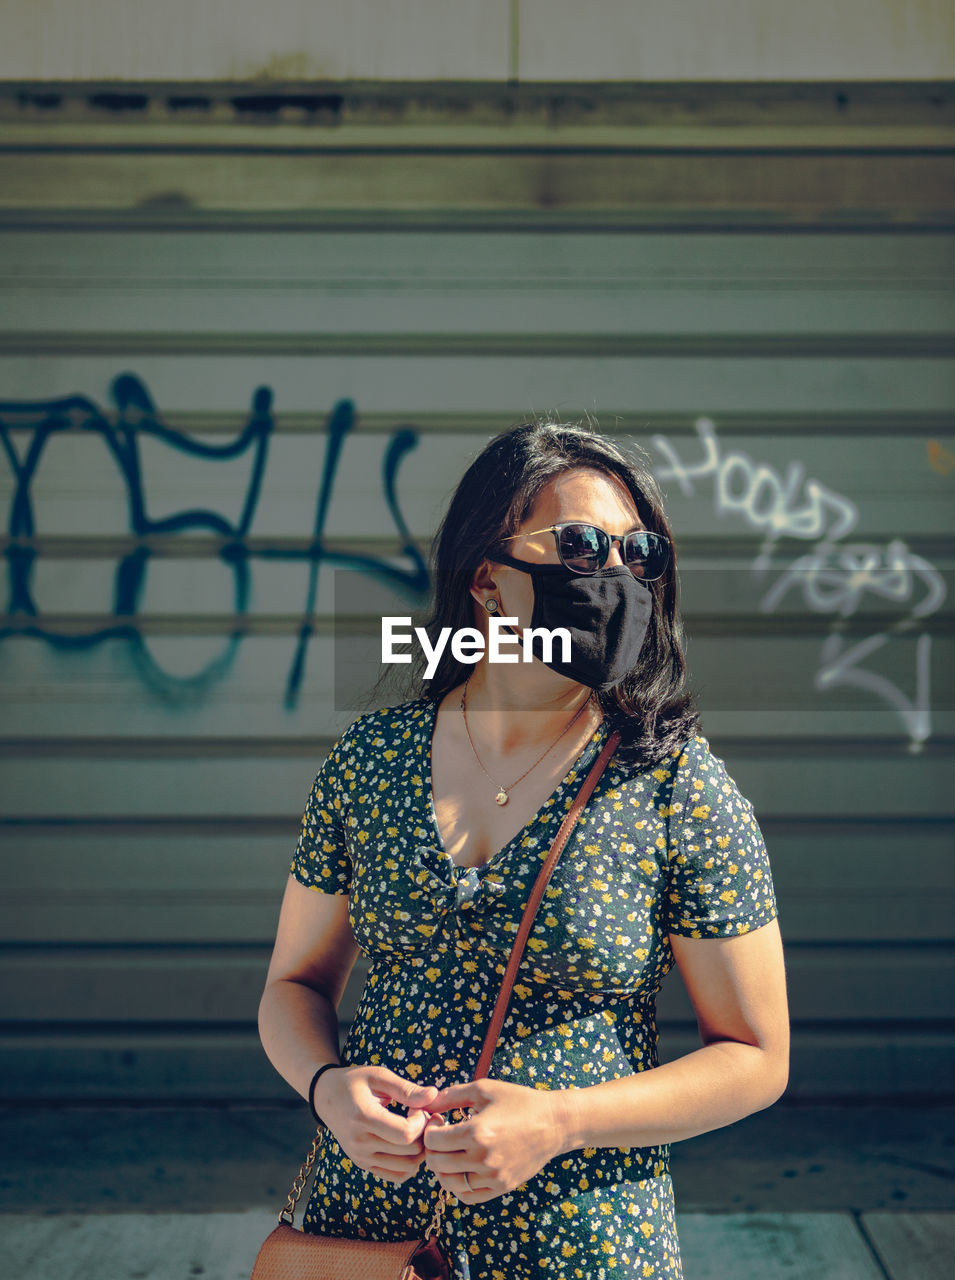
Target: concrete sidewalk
column 853, row 1191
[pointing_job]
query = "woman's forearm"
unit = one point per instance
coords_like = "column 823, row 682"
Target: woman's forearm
column 298, row 1027
column 715, row 1085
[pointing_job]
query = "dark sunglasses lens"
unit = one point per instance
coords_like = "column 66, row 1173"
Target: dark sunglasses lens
column 647, row 554
column 582, row 547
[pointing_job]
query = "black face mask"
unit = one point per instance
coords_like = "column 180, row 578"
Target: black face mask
column 607, row 614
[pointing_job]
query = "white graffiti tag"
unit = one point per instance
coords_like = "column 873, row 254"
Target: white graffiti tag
column 834, row 575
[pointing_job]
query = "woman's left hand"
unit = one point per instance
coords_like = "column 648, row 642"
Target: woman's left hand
column 511, row 1134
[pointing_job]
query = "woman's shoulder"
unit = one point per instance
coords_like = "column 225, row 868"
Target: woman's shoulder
column 695, row 751
column 386, row 725
column 689, row 755
column 697, row 754
column 667, row 780
column 702, row 775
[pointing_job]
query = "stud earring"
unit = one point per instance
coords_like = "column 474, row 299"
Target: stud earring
column 491, row 606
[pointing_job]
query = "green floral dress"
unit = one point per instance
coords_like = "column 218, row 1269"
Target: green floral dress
column 671, row 849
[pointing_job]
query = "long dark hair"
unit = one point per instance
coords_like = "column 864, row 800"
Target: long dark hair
column 650, row 705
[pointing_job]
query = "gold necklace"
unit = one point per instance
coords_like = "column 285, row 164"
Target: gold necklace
column 502, row 796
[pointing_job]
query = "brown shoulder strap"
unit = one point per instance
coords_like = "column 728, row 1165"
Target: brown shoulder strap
column 533, row 902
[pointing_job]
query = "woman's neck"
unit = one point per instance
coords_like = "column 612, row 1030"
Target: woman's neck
column 513, row 715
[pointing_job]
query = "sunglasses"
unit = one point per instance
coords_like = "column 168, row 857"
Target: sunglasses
column 585, row 548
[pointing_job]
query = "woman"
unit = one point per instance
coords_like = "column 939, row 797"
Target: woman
column 421, row 840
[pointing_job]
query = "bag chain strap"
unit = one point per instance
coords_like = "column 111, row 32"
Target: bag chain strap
column 298, row 1186
column 301, row 1178
column 444, row 1196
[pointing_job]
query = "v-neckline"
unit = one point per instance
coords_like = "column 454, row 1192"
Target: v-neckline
column 427, row 745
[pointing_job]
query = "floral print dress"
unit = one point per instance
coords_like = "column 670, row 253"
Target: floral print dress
column 667, row 849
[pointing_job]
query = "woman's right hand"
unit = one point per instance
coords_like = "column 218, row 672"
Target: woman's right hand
column 353, row 1102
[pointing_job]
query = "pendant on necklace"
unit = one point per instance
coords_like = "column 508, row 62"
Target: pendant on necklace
column 501, row 796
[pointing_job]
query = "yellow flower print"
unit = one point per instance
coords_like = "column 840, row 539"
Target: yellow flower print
column 651, row 854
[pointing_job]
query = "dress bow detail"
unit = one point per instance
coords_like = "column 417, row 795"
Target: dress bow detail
column 449, row 887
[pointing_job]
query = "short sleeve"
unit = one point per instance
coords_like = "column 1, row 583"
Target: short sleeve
column 322, row 859
column 720, row 881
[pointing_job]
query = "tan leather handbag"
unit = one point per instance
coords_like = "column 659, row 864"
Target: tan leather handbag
column 290, row 1254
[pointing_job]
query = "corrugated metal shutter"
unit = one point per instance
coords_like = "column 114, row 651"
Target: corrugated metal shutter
column 790, row 388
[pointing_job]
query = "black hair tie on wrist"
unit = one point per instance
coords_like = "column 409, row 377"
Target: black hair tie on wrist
column 311, row 1088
